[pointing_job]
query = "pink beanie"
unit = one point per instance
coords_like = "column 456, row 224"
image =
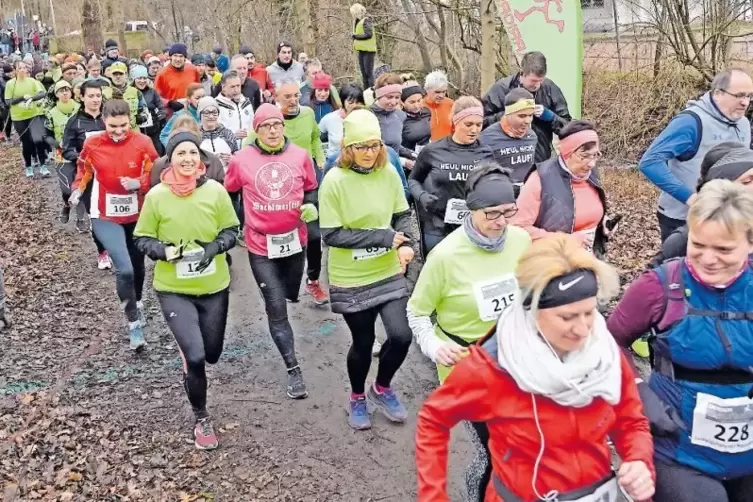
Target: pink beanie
column 265, row 112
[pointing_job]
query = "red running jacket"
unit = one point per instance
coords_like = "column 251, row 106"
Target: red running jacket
column 103, row 162
column 576, row 453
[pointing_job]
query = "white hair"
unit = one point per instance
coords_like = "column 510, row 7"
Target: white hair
column 286, row 81
column 358, row 11
column 435, row 80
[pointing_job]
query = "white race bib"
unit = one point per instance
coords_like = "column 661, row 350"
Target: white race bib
column 455, row 212
column 282, row 245
column 493, row 296
column 91, row 133
column 186, row 268
column 369, row 253
column 724, row 425
column 608, row 492
column 121, row 205
column 149, row 121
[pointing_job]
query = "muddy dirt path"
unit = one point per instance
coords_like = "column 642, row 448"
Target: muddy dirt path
column 81, row 418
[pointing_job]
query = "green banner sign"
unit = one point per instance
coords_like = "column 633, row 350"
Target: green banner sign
column 555, row 28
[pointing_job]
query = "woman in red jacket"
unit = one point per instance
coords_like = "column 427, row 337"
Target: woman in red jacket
column 551, row 385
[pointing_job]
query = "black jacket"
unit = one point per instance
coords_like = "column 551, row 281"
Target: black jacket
column 250, row 89
column 75, row 133
column 549, row 96
column 107, row 62
column 156, row 110
column 417, row 129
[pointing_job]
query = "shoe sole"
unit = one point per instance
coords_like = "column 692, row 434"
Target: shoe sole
column 206, row 448
column 301, row 396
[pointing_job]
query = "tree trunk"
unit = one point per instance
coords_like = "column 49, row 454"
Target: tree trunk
column 91, row 26
column 488, row 45
column 303, row 11
column 423, row 46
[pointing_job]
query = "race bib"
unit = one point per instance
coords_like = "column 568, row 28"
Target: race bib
column 121, row 205
column 369, row 253
column 608, row 492
column 494, row 296
column 149, row 122
column 91, row 133
column 455, row 212
column 724, row 425
column 282, row 245
column 186, row 268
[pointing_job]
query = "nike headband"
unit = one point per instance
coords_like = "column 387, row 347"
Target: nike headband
column 492, row 190
column 568, row 288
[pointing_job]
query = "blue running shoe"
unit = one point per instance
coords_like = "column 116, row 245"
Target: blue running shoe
column 358, row 414
column 29, row 172
column 137, row 336
column 389, row 404
column 44, row 171
column 142, row 317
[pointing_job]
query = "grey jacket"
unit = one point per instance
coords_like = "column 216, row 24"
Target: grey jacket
column 278, row 74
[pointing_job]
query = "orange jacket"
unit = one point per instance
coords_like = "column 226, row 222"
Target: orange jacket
column 441, row 118
column 576, row 453
column 103, row 162
column 171, row 84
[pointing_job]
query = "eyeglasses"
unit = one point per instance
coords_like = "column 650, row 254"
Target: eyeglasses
column 367, row 148
column 739, row 95
column 210, row 113
column 507, row 213
column 274, row 125
column 588, row 157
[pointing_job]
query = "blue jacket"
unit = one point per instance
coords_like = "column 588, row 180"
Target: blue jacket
column 169, row 126
column 714, row 335
column 321, row 109
column 394, row 161
column 223, row 63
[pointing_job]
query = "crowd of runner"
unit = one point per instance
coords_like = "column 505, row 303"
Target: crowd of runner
column 180, row 159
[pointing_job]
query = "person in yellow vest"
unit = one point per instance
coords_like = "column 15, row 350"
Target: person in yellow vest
column 121, row 90
column 364, row 43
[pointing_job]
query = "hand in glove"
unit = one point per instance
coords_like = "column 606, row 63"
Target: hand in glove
column 159, row 115
column 141, row 118
column 211, row 250
column 309, row 213
column 130, row 184
column 74, row 198
column 664, row 420
column 429, row 201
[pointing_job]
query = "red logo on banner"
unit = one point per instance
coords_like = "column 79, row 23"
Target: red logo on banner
column 511, row 25
column 544, row 9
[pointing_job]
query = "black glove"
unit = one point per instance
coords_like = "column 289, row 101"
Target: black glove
column 429, row 202
column 663, row 419
column 141, row 118
column 175, row 106
column 211, row 250
column 159, row 115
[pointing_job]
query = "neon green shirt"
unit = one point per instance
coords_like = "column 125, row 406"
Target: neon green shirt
column 361, row 201
column 467, row 286
column 18, row 89
column 199, row 216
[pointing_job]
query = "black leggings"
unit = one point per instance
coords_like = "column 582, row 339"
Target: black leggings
column 313, row 251
column 86, row 200
column 366, row 64
column 31, row 132
column 198, row 325
column 279, row 280
column 362, row 329
column 678, row 483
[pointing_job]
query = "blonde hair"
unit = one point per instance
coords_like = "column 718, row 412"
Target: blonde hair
column 558, row 255
column 387, row 79
column 348, row 159
column 465, row 102
column 725, row 202
column 358, row 11
column 184, row 123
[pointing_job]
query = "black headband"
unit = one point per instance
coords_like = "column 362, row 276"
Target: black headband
column 410, row 91
column 492, row 190
column 568, row 288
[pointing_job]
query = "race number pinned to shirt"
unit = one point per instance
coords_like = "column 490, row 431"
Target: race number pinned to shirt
column 455, row 212
column 149, row 122
column 121, row 205
column 724, row 425
column 89, row 134
column 283, row 245
column 493, row 296
column 186, row 267
column 607, row 492
column 369, row 253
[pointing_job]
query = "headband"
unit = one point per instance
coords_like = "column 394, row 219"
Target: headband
column 411, row 90
column 523, row 104
column 571, row 143
column 492, row 190
column 388, row 89
column 732, row 165
column 476, row 110
column 568, row 288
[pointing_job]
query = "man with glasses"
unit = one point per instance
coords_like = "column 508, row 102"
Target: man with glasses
column 673, row 161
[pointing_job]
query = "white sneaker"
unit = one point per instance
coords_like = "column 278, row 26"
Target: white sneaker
column 103, row 261
column 376, row 348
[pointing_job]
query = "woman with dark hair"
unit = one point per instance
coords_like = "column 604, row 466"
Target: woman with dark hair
column 729, row 161
column 322, row 100
column 331, row 125
column 564, row 194
column 417, row 125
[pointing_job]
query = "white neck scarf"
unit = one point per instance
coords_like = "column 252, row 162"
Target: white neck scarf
column 576, row 380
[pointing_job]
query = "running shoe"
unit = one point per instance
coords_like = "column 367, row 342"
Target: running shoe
column 137, row 336
column 103, row 261
column 296, row 386
column 376, row 348
column 204, row 435
column 44, row 171
column 388, row 402
column 82, row 225
column 358, row 414
column 29, row 171
column 315, row 290
column 142, row 317
column 65, row 214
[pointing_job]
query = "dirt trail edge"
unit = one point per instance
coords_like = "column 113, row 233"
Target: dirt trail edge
column 83, row 419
